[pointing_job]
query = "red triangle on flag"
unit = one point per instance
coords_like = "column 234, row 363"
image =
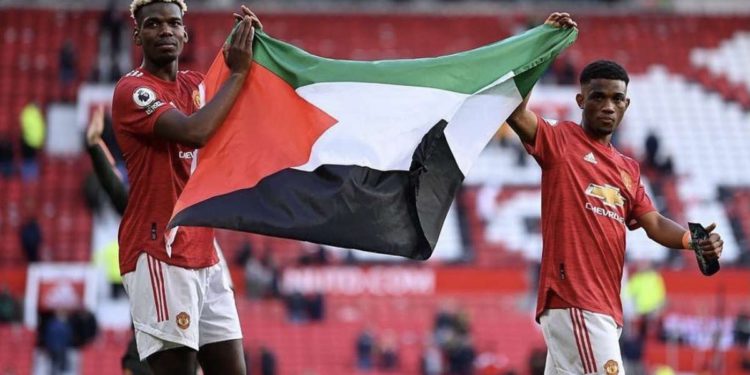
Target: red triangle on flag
column 270, row 128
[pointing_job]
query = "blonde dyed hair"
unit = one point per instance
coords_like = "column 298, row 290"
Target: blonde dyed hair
column 138, row 4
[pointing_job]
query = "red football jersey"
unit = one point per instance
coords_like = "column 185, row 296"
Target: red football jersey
column 157, row 170
column 591, row 193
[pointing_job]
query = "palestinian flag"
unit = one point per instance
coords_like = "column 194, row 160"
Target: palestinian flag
column 355, row 154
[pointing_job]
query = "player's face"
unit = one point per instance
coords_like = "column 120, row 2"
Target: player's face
column 160, row 32
column 604, row 102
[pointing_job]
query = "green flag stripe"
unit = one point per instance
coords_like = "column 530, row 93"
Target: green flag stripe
column 526, row 81
column 531, row 51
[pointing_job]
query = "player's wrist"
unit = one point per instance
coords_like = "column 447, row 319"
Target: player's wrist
column 687, row 240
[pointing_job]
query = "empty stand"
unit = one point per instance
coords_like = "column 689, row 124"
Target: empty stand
column 726, row 68
column 16, row 349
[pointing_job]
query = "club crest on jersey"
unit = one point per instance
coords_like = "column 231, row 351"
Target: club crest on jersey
column 609, row 195
column 196, row 99
column 183, row 320
column 612, row 367
column 626, row 180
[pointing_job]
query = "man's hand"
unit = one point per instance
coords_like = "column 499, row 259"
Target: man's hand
column 247, row 12
column 96, row 127
column 238, row 53
column 713, row 245
column 560, row 20
column 195, row 130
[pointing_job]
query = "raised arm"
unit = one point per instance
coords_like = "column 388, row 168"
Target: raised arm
column 195, row 130
column 523, row 121
column 103, row 162
column 670, row 234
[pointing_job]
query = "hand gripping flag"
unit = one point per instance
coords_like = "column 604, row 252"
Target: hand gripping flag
column 357, row 154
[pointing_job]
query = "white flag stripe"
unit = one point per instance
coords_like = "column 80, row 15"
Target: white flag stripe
column 379, row 125
column 479, row 118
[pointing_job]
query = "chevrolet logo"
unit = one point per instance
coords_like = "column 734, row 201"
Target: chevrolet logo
column 610, row 195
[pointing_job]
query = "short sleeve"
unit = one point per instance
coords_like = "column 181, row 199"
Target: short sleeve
column 136, row 106
column 549, row 142
column 198, row 77
column 641, row 205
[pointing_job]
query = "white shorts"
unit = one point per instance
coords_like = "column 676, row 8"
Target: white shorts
column 173, row 306
column 581, row 342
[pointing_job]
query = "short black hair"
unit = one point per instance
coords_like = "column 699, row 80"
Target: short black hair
column 137, row 5
column 604, row 69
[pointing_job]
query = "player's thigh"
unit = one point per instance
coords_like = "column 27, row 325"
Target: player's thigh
column 224, row 357
column 164, row 302
column 605, row 343
column 581, row 342
column 549, row 365
column 219, row 320
column 556, row 335
column 176, row 361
